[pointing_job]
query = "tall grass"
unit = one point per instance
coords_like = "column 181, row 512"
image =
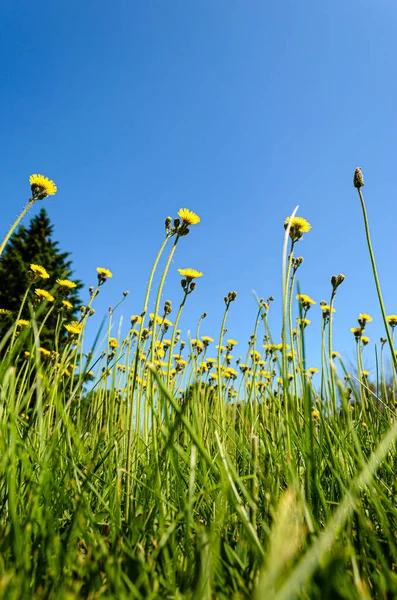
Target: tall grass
column 156, row 466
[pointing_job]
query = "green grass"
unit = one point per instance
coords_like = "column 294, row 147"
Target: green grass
column 127, row 473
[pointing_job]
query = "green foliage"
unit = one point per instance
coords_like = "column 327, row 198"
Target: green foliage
column 34, row 244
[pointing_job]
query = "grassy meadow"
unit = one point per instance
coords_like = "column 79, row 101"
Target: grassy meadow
column 158, row 466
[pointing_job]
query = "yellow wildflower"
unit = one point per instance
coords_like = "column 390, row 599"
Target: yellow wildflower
column 44, row 294
column 232, row 342
column 335, row 354
column 104, row 273
column 67, row 283
column 41, row 187
column 312, row 370
column 44, row 352
column 23, row 323
column 305, row 299
column 365, row 373
column 206, row 339
column 67, row 304
column 392, row 320
column 113, row 343
column 357, row 332
column 364, row 339
column 188, row 217
column 363, row 318
column 303, row 322
column 298, row 227
column 315, row 414
column 5, row 311
column 40, row 271
column 73, row 328
column 190, row 274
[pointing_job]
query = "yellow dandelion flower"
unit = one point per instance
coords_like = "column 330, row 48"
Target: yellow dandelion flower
column 364, row 425
column 44, row 352
column 315, row 414
column 303, row 322
column 335, row 354
column 5, row 311
column 364, row 339
column 104, row 273
column 72, row 328
column 40, row 271
column 299, row 226
column 169, row 323
column 190, row 274
column 136, row 319
column 113, row 343
column 232, row 342
column 363, row 318
column 211, row 361
column 207, row 339
column 121, row 367
column 67, row 304
column 26, row 353
column 392, row 320
column 365, row 373
column 305, row 299
column 213, row 376
column 181, row 361
column 66, row 283
column 44, row 294
column 357, row 331
column 41, row 187
column 326, row 308
column 312, row 370
column 23, row 323
column 188, row 217
column 197, row 343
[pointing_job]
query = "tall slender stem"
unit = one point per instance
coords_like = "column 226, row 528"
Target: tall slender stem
column 12, row 228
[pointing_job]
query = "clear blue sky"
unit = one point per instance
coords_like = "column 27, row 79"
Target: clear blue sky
column 238, row 110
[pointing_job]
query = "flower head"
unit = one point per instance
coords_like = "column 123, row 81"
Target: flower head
column 312, row 370
column 66, row 283
column 299, row 226
column 44, row 351
column 103, row 275
column 74, row 328
column 23, row 323
column 67, row 304
column 5, row 311
column 40, row 271
column 207, row 339
column 41, row 187
column 305, row 299
column 44, row 294
column 188, row 217
column 357, row 332
column 392, row 320
column 113, row 343
column 364, row 339
column 304, row 322
column 190, row 274
column 363, row 318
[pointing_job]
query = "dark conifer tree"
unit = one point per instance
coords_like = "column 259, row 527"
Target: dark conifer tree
column 34, row 245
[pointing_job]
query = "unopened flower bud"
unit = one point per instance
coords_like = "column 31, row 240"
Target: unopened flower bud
column 358, row 179
column 168, row 222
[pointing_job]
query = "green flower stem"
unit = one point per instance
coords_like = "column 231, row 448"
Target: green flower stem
column 331, row 370
column 12, row 228
column 375, row 272
column 130, row 416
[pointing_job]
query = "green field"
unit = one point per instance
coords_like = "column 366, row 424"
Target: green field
column 158, row 466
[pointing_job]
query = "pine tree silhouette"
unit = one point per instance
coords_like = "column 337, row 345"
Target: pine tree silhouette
column 34, row 245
